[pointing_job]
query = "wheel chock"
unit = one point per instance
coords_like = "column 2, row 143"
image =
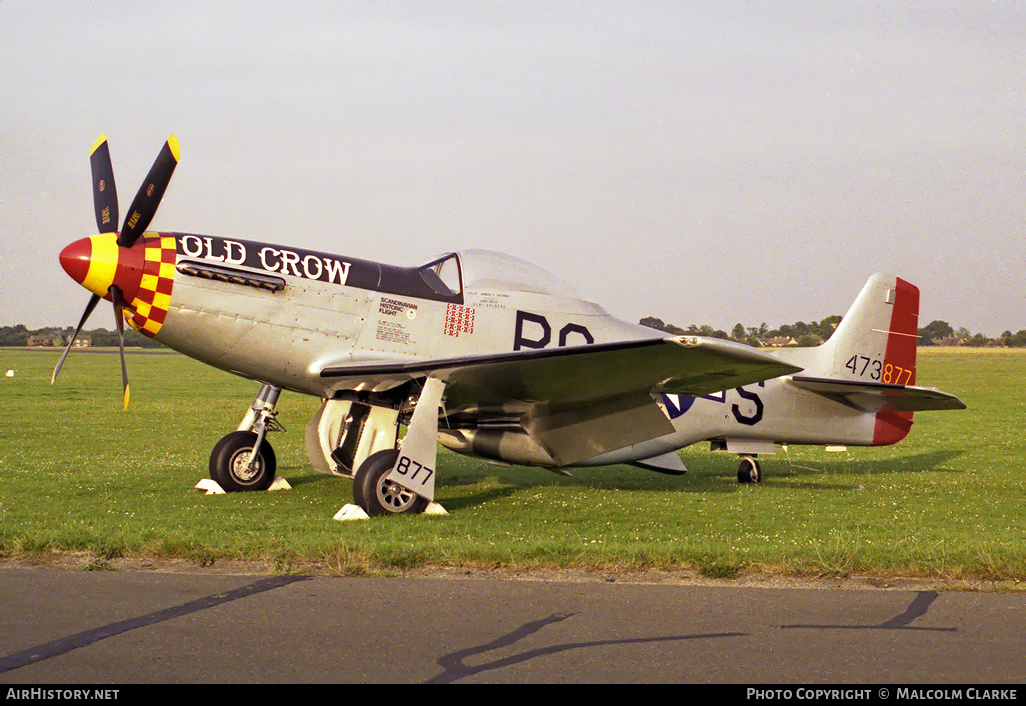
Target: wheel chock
column 279, row 483
column 211, row 486
column 351, row 512
column 355, row 512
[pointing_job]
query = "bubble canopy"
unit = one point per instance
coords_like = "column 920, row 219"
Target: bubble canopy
column 484, row 270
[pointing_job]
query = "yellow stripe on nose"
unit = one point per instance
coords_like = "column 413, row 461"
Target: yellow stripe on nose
column 103, row 263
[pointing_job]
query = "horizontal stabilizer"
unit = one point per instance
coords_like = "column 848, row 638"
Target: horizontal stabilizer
column 875, row 396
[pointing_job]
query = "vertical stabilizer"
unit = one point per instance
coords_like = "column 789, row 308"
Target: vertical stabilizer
column 876, row 343
column 876, row 339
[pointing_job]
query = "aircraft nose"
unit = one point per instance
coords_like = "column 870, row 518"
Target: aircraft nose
column 92, row 262
column 75, row 259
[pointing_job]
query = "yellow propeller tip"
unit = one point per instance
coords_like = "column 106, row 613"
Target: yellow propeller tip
column 172, row 143
column 99, row 141
column 126, row 399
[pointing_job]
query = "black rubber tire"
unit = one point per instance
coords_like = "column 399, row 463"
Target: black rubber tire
column 749, row 471
column 378, row 496
column 229, row 463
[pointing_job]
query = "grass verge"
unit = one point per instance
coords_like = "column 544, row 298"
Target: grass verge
column 78, row 474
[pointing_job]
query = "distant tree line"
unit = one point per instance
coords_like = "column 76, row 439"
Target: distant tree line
column 940, row 333
column 936, row 333
column 19, row 335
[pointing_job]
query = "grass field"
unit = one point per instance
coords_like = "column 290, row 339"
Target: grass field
column 79, row 474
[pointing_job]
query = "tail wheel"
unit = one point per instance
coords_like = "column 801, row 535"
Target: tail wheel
column 233, row 467
column 377, row 495
column 749, row 471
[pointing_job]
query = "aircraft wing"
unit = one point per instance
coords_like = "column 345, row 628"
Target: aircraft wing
column 579, row 402
column 683, row 365
column 874, row 396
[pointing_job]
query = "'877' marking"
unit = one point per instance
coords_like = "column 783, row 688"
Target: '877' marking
column 405, row 464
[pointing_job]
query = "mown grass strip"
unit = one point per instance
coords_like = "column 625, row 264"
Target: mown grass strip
column 79, row 474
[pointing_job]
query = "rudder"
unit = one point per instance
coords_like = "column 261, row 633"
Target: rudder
column 876, row 343
column 876, row 339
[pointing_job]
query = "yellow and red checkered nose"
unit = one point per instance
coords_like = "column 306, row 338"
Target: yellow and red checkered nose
column 144, row 273
column 93, row 263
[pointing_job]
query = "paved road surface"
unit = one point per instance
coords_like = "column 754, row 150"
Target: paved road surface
column 66, row 627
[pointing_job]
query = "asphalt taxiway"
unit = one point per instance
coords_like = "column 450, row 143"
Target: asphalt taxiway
column 132, row 627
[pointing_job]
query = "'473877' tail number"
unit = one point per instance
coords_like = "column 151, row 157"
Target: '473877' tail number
column 880, row 371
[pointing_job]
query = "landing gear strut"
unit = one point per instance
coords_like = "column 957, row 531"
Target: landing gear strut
column 243, row 459
column 749, row 471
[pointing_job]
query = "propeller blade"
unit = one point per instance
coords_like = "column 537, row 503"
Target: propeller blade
column 119, row 307
column 93, row 301
column 105, row 194
column 144, row 206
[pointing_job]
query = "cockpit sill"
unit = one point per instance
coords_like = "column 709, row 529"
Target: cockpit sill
column 445, row 278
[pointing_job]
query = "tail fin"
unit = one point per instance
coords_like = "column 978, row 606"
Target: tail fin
column 873, row 348
column 876, row 339
column 869, row 363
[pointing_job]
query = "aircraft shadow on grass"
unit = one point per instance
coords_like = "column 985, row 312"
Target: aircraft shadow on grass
column 928, row 461
column 492, row 483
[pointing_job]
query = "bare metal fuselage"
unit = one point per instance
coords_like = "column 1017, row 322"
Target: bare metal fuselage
column 488, row 354
column 335, row 311
column 285, row 316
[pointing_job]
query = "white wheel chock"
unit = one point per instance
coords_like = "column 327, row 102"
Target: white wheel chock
column 355, row 512
column 279, row 483
column 211, row 486
column 351, row 512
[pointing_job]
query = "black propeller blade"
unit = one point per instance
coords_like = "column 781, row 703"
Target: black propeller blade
column 105, row 203
column 119, row 318
column 93, row 301
column 105, row 194
column 144, row 206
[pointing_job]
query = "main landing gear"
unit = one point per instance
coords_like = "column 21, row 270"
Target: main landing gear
column 402, row 480
column 378, row 495
column 243, row 459
column 749, row 471
column 356, row 435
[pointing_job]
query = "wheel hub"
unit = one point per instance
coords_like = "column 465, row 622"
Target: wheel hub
column 394, row 496
column 243, row 469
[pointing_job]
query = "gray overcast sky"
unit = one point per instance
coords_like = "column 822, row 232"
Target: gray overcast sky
column 714, row 163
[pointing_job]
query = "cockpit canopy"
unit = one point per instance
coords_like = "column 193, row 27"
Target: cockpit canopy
column 485, row 270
